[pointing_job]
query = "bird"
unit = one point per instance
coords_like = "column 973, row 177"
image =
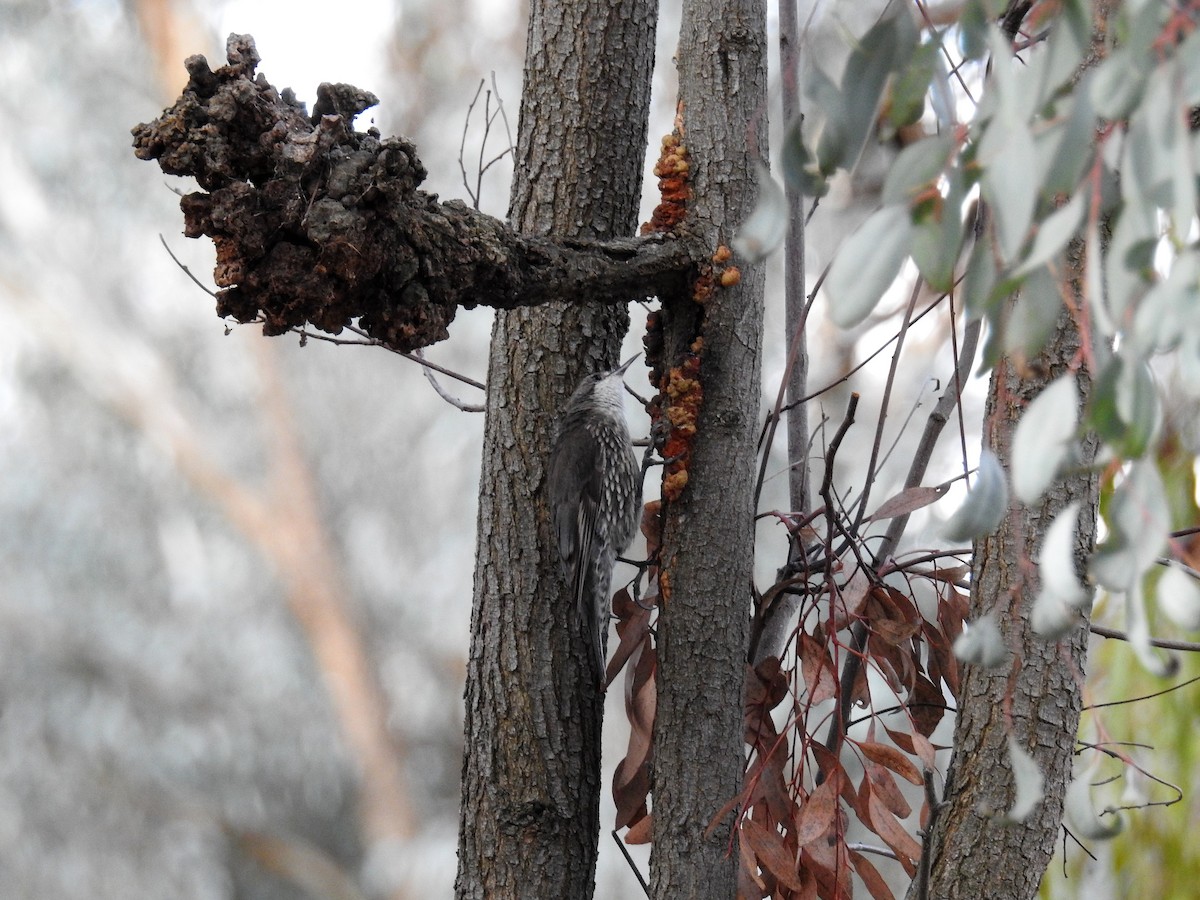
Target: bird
column 594, row 489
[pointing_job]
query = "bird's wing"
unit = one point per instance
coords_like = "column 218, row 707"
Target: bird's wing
column 575, row 485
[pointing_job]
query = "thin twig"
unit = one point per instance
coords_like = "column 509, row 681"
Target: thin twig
column 1185, row 646
column 922, row 891
column 186, row 270
column 1173, row 687
column 632, row 865
column 441, row 392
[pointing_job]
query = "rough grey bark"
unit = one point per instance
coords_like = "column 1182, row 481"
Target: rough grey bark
column 529, row 818
column 707, row 549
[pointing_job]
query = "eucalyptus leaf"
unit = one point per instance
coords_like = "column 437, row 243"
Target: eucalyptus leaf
column 1067, row 146
column 1178, row 596
column 885, row 48
column 1117, row 85
column 764, row 230
column 918, row 167
column 1028, row 783
column 980, row 279
column 1031, row 317
column 1061, row 599
column 800, row 169
column 907, row 96
column 973, row 30
column 1138, row 522
column 1137, row 628
column 1065, row 48
column 938, row 235
column 986, row 504
column 1124, row 408
column 867, row 264
column 1080, row 812
column 1010, row 183
column 1043, row 438
column 981, row 643
column 1128, row 261
column 1168, row 311
column 1054, row 233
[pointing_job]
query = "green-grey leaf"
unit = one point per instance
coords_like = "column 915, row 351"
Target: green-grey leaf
column 1124, row 408
column 917, row 167
column 867, row 264
column 1068, row 144
column 1137, row 627
column 1043, row 438
column 981, row 644
column 1117, row 85
column 986, row 504
column 1030, row 319
column 909, row 88
column 980, row 279
column 886, row 46
column 1010, row 183
column 1061, row 597
column 938, row 236
column 800, row 170
column 763, row 232
column 1027, row 783
column 1138, row 521
column 1054, row 233
column 1081, row 815
column 1178, row 595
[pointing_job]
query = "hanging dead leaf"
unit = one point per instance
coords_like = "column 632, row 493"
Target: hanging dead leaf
column 926, row 705
column 891, row 615
column 640, row 833
column 820, row 679
column 903, row 844
column 907, row 501
column 883, row 784
column 770, row 852
column 874, row 882
column 817, row 811
column 891, row 758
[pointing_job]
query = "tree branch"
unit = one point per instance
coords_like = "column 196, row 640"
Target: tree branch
column 317, row 223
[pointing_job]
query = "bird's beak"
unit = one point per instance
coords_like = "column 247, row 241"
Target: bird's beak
column 625, row 365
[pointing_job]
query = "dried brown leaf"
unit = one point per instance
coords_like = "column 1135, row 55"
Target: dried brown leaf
column 633, row 627
column 952, row 575
column 926, row 705
column 892, row 616
column 907, row 501
column 891, row 758
column 874, row 882
column 772, row 855
column 848, row 605
column 830, row 865
column 640, row 831
column 820, row 678
column 883, row 784
column 631, row 781
column 817, row 811
column 903, row 844
column 750, row 883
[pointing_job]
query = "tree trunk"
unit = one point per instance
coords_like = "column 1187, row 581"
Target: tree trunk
column 708, row 537
column 1038, row 700
column 529, row 818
